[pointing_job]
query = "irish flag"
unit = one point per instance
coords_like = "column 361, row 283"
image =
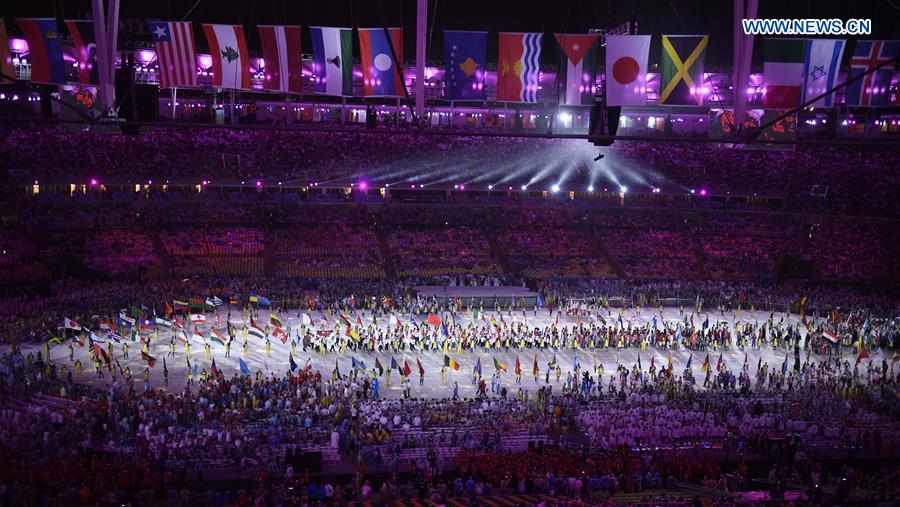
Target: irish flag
column 783, row 72
column 230, row 58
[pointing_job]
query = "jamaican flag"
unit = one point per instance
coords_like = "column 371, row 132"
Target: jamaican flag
column 681, row 80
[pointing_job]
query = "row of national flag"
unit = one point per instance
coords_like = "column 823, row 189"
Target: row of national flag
column 795, row 70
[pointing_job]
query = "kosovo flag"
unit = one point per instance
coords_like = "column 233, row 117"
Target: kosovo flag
column 465, row 54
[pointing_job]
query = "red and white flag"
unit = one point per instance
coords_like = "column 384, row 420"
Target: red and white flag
column 830, row 336
column 175, row 52
column 281, row 53
column 280, row 334
column 230, row 58
column 71, row 324
column 198, row 334
column 626, row 69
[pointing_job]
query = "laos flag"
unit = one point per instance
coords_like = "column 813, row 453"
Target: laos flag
column 45, row 50
column 381, row 77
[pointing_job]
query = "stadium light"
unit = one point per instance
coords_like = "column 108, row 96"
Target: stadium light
column 258, row 183
column 702, row 191
column 623, row 189
column 554, row 188
column 591, row 188
column 490, row 187
column 363, row 185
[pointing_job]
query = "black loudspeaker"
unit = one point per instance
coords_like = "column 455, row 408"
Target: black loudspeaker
column 371, row 120
column 147, row 100
column 604, row 121
column 46, row 102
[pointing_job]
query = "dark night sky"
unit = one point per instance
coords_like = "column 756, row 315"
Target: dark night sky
column 655, row 17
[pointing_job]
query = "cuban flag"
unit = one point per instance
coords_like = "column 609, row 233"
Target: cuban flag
column 45, row 50
column 518, row 66
column 381, row 77
column 873, row 90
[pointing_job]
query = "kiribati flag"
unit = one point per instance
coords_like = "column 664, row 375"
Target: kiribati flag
column 465, row 54
column 518, row 67
column 381, row 77
column 45, row 50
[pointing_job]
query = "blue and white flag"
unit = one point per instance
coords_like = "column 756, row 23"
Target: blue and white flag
column 820, row 71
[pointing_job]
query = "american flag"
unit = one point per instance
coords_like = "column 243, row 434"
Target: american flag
column 175, row 52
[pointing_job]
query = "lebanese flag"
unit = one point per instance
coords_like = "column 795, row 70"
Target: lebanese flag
column 230, row 58
column 281, row 53
column 783, row 72
column 626, row 69
column 830, row 336
column 576, row 83
column 518, row 66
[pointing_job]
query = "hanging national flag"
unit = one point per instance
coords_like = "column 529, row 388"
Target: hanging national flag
column 255, row 331
column 681, row 79
column 465, row 56
column 6, row 66
column 150, row 359
column 499, row 366
column 626, row 69
column 245, row 371
column 450, row 363
column 281, row 53
column 175, row 54
column 381, row 77
column 230, row 58
column 82, row 32
column 873, row 90
column 71, row 324
column 783, row 72
column 332, row 65
column 820, row 71
column 45, row 51
column 576, row 76
column 518, row 67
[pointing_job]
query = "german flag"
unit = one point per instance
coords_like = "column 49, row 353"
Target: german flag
column 450, row 363
column 705, row 367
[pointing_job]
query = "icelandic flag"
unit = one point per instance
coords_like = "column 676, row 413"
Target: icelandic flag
column 244, row 369
column 381, row 77
column 45, row 50
column 465, row 56
column 823, row 61
column 872, row 90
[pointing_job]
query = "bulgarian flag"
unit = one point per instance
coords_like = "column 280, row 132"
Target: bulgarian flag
column 830, row 336
column 783, row 72
column 255, row 330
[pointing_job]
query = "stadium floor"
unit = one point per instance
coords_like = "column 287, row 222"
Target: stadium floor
column 278, row 363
